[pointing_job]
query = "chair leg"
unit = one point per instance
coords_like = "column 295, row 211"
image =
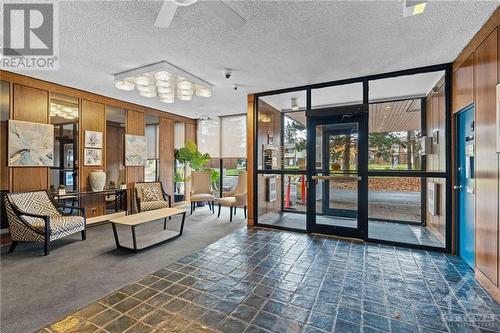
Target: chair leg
column 191, row 208
column 218, row 214
column 12, row 246
column 84, row 235
column 209, row 205
column 213, row 207
column 46, row 246
column 230, row 214
column 234, row 210
column 245, row 211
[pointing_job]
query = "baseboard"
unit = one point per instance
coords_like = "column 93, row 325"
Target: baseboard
column 486, row 283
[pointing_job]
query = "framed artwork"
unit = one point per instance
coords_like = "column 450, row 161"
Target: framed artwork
column 272, row 193
column 135, row 150
column 498, row 118
column 93, row 139
column 30, row 144
column 92, row 156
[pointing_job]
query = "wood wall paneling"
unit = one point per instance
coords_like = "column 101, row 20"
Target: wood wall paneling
column 92, row 118
column 29, row 104
column 166, row 140
column 485, row 79
column 463, row 85
column 65, row 90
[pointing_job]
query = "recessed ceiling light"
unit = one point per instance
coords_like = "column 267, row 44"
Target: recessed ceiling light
column 413, row 7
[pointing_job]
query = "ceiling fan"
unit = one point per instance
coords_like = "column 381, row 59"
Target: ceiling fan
column 169, row 7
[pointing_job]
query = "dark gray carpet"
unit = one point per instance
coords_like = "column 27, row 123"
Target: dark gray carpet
column 37, row 290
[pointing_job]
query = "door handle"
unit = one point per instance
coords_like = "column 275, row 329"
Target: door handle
column 458, row 187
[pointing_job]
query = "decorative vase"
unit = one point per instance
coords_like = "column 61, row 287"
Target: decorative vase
column 97, row 180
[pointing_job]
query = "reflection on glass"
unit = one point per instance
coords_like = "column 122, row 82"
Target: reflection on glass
column 64, row 116
column 407, row 210
column 231, row 168
column 275, row 193
column 295, row 138
column 152, row 170
column 394, row 135
column 115, row 146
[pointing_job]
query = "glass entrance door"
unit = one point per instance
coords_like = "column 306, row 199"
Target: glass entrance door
column 337, row 172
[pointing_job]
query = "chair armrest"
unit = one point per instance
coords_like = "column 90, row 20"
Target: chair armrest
column 241, row 199
column 169, row 199
column 228, row 194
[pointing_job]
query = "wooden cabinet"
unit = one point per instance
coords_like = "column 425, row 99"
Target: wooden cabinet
column 485, row 79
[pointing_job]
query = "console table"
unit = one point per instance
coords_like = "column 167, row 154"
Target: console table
column 100, row 205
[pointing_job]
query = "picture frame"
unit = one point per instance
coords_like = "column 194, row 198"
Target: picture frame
column 93, row 139
column 30, row 144
column 92, row 157
column 135, row 150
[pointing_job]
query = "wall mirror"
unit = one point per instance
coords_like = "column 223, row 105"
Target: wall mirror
column 64, row 113
column 115, row 146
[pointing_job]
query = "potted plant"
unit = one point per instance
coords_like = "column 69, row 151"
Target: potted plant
column 61, row 190
column 191, row 156
column 178, row 186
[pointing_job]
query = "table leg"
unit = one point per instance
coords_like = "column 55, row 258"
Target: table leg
column 182, row 223
column 115, row 233
column 165, row 223
column 134, row 240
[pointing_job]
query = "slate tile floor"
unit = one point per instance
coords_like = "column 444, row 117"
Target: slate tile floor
column 258, row 280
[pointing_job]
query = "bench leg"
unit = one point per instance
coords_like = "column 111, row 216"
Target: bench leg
column 84, row 235
column 165, row 223
column 213, row 207
column 12, row 246
column 230, row 214
column 182, row 223
column 191, row 209
column 245, row 211
column 218, row 214
column 115, row 233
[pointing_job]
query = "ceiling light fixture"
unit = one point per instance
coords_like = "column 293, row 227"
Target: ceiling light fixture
column 413, row 7
column 163, row 80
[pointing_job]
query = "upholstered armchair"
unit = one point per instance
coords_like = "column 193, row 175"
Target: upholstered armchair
column 36, row 217
column 151, row 196
column 201, row 190
column 235, row 198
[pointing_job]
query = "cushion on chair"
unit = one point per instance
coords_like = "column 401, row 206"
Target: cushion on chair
column 151, row 205
column 151, row 193
column 60, row 226
column 35, row 203
column 227, row 201
column 202, row 197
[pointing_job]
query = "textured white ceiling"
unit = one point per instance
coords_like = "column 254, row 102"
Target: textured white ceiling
column 283, row 44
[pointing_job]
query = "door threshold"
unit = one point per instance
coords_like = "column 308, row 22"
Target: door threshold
column 350, row 239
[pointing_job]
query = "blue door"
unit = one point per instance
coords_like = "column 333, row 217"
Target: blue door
column 465, row 186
